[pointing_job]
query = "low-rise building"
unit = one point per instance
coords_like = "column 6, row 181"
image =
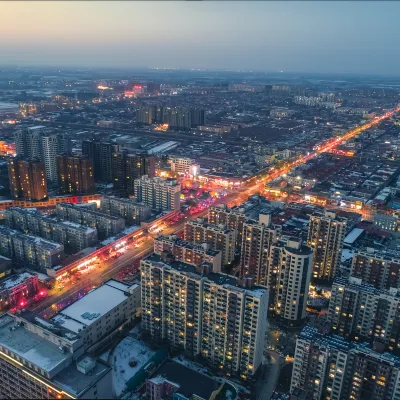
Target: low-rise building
column 106, row 225
column 181, row 165
column 99, row 315
column 385, row 222
column 15, row 289
column 132, row 211
column 31, row 251
column 41, row 360
column 174, row 380
column 72, row 236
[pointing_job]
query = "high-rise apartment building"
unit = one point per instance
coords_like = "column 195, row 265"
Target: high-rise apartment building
column 153, row 87
column 160, row 194
column 187, row 252
column 328, row 367
column 197, row 117
column 379, row 268
column 75, row 174
column 27, row 142
column 205, row 313
column 39, row 142
column 233, row 218
column 180, row 119
column 288, row 277
column 218, row 237
column 50, row 149
column 101, row 153
column 128, row 167
column 326, row 234
column 106, row 225
column 257, row 238
column 27, row 179
column 360, row 312
column 145, row 115
column 133, row 212
column 74, row 237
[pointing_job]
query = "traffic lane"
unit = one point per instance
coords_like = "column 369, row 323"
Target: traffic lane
column 72, row 288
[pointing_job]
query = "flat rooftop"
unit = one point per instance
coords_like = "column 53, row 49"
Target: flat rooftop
column 28, row 345
column 187, row 245
column 15, row 280
column 91, row 307
column 190, row 382
column 75, row 382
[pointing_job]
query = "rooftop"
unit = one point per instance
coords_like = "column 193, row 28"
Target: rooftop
column 217, row 278
column 188, row 245
column 337, row 342
column 30, row 346
column 89, row 308
column 357, row 285
column 15, row 280
column 75, row 382
column 78, row 226
column 190, row 382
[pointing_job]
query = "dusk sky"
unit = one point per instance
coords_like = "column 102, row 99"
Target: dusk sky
column 343, row 37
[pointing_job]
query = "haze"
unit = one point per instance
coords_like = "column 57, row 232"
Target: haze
column 330, row 37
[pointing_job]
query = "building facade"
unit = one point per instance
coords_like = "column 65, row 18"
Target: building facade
column 39, row 142
column 101, row 154
column 30, row 251
column 27, row 179
column 106, row 225
column 160, row 194
column 288, row 277
column 359, row 312
column 188, row 252
column 232, row 218
column 181, row 165
column 379, row 268
column 328, row 367
column 72, row 236
column 326, row 234
column 257, row 239
column 132, row 212
column 216, row 236
column 75, row 174
column 128, row 167
column 207, row 314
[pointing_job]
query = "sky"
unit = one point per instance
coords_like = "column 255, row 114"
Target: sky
column 360, row 37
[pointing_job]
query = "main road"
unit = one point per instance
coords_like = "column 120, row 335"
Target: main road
column 110, row 268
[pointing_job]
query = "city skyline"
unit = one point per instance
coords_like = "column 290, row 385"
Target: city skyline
column 331, row 37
